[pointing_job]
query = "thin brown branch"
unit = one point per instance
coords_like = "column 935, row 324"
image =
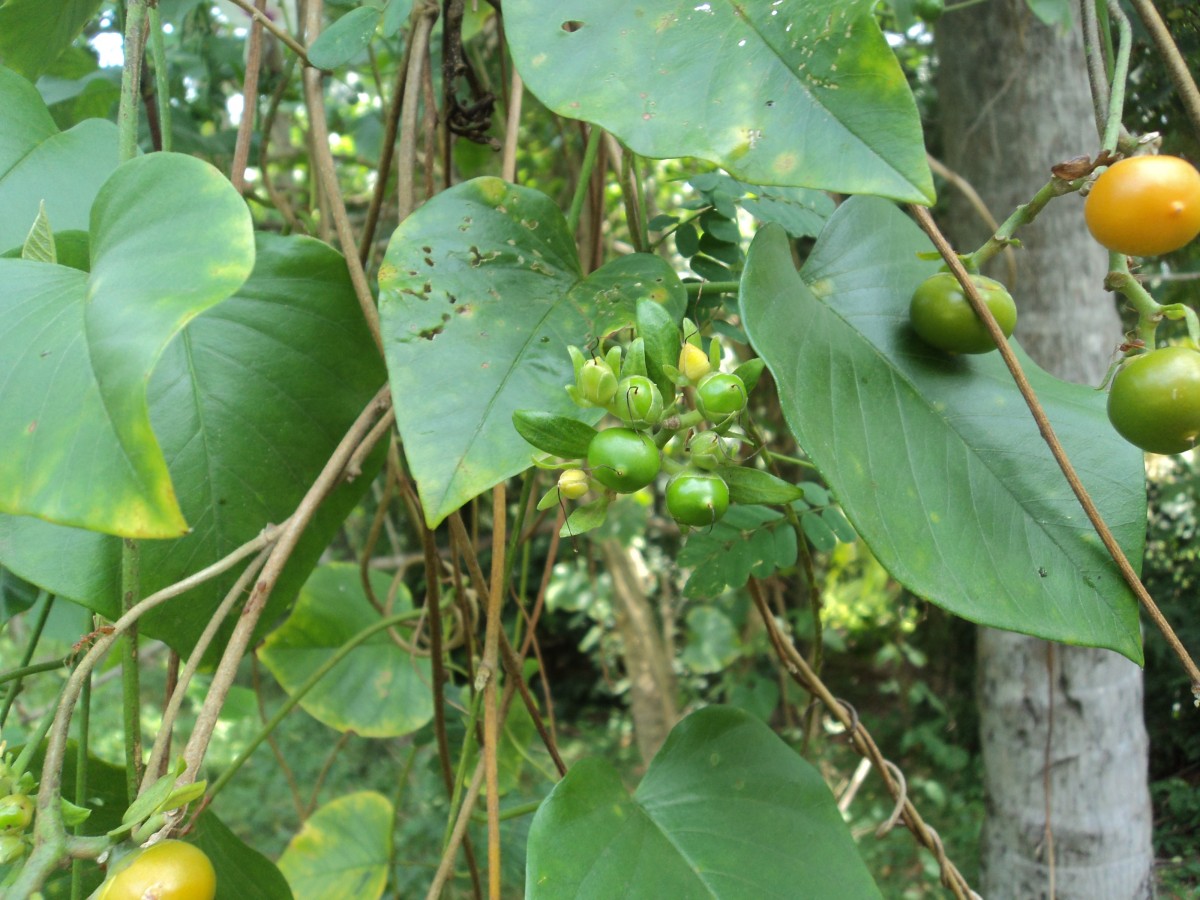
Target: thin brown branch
column 512, row 128
column 387, row 149
column 976, row 203
column 802, row 674
column 314, row 97
column 424, row 16
column 265, row 20
column 489, row 669
column 1047, row 431
column 241, row 149
column 290, row 535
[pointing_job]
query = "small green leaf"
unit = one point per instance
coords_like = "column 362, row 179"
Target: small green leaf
column 345, row 38
column 748, row 485
column 39, row 244
column 687, row 240
column 709, row 269
column 661, row 221
column 73, row 815
column 750, row 371
column 395, row 16
column 634, row 362
column 585, row 518
column 557, row 435
column 660, row 332
column 840, row 526
column 818, row 532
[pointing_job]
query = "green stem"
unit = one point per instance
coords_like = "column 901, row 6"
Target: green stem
column 1150, row 313
column 696, row 288
column 1116, row 102
column 640, row 192
column 309, row 683
column 1022, row 215
column 513, row 812
column 460, row 776
column 34, row 741
column 81, row 781
column 162, row 81
column 33, row 669
column 131, row 77
column 585, row 177
column 131, row 593
column 23, row 668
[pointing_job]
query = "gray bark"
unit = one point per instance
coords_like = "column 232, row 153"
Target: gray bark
column 1013, row 99
column 652, row 687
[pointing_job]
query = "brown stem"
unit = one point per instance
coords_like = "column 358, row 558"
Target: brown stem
column 314, row 97
column 489, row 670
column 1089, row 507
column 388, row 148
column 222, row 681
column 802, row 674
column 264, row 20
column 241, row 150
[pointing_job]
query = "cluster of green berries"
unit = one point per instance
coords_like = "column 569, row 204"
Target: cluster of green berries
column 703, row 410
column 16, row 810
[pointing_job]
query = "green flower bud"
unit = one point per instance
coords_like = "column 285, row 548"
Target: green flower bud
column 638, row 401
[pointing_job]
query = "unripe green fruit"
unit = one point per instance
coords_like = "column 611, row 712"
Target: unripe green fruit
column 707, row 450
column 697, row 499
column 597, row 382
column 623, row 459
column 719, row 396
column 638, row 401
column 943, row 317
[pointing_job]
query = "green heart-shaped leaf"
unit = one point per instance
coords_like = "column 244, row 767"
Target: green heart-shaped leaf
column 480, row 294
column 793, row 92
column 34, row 32
column 725, row 810
column 40, row 164
column 170, row 237
column 343, row 850
column 935, row 459
column 248, row 403
column 378, row 689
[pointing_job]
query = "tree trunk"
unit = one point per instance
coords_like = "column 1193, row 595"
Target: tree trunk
column 651, row 679
column 1064, row 745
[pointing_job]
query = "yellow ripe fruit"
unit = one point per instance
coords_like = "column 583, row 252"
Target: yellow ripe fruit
column 1145, row 205
column 168, row 870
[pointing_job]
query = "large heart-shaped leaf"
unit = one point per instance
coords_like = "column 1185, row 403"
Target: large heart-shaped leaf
column 170, row 237
column 344, row 850
column 936, row 459
column 480, row 294
column 34, row 32
column 40, row 164
column 242, row 871
column 248, row 404
column 792, row 92
column 727, row 810
column 379, row 689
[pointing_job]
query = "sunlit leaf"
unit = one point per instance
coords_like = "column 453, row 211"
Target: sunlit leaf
column 793, row 92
